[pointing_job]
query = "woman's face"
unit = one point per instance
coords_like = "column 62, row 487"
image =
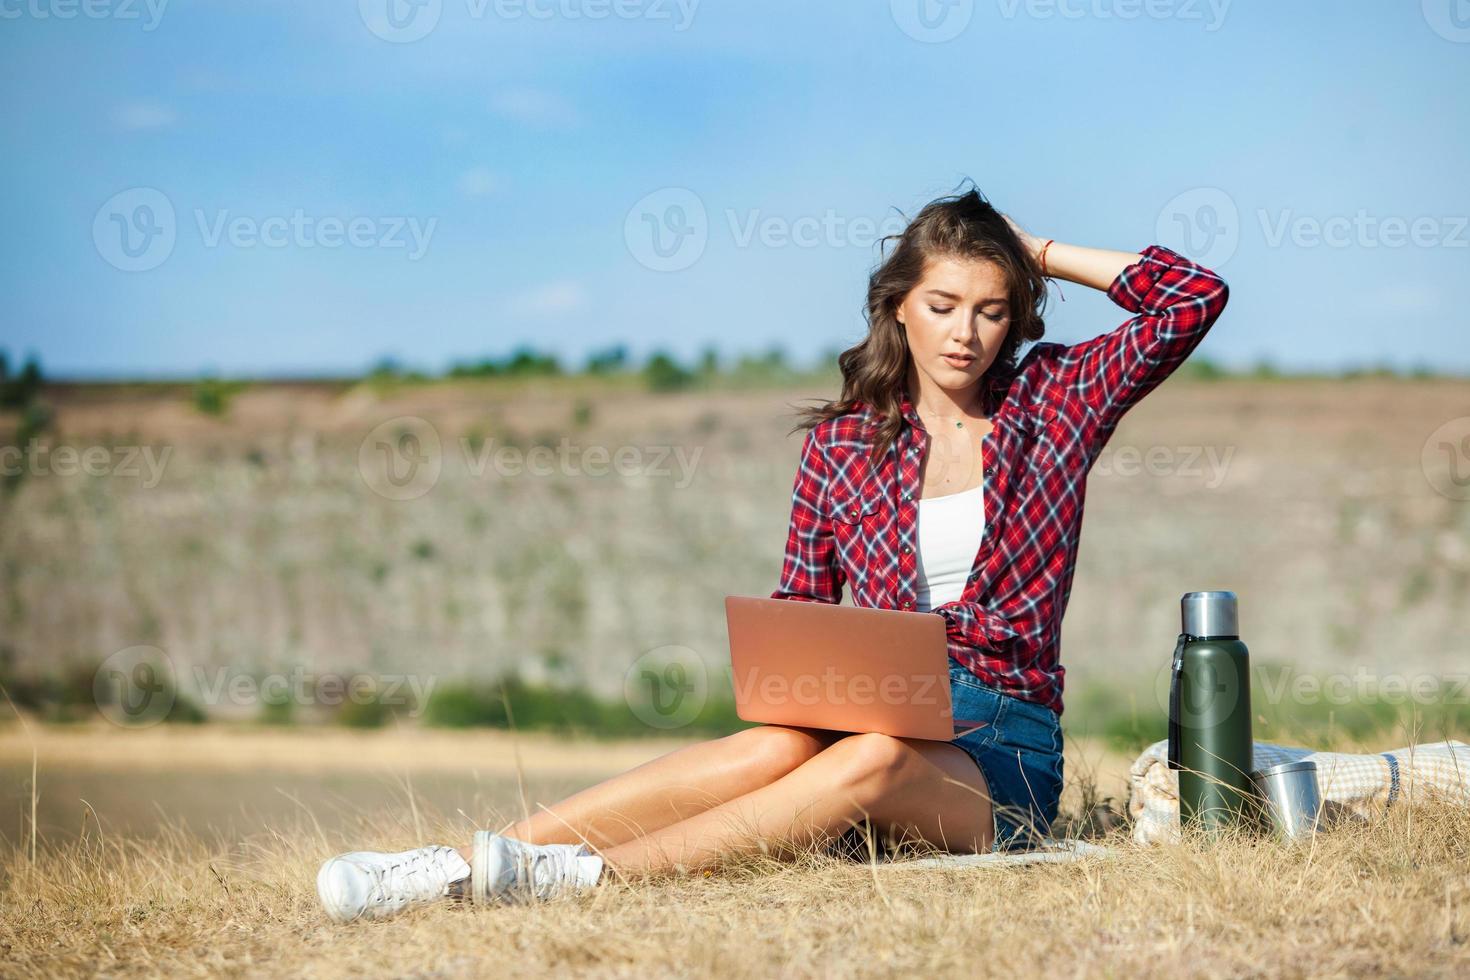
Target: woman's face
column 956, row 319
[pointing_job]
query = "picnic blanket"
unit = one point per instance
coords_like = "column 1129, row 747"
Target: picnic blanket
column 1050, row 851
column 1352, row 786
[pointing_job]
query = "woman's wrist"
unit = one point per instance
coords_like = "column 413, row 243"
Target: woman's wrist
column 1041, row 256
column 1095, row 267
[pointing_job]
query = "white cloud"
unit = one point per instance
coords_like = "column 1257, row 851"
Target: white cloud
column 1404, row 297
column 535, row 107
column 550, row 299
column 478, row 182
column 140, row 116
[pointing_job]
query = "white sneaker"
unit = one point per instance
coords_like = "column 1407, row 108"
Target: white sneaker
column 366, row 884
column 510, row 870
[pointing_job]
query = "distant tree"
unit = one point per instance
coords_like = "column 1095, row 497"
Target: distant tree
column 768, row 366
column 610, row 360
column 483, row 368
column 23, row 392
column 212, row 396
column 709, row 361
column 663, row 373
column 19, row 391
column 387, row 366
column 525, row 361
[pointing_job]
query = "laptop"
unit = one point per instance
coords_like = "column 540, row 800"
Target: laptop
column 841, row 668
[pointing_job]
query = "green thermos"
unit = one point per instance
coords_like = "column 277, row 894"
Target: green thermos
column 1210, row 714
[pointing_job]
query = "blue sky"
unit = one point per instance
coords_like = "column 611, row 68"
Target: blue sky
column 307, row 186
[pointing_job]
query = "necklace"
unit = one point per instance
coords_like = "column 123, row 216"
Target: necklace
column 958, row 420
column 959, row 423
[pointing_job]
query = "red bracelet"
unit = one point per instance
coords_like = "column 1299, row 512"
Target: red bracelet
column 1044, row 274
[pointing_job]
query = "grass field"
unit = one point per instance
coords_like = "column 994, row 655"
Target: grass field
column 155, row 893
column 243, row 537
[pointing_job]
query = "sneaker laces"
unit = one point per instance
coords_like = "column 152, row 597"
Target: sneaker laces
column 420, row 874
column 542, row 870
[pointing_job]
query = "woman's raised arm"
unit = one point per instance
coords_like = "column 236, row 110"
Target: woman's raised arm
column 1176, row 301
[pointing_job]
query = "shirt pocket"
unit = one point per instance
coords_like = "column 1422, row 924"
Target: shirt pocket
column 854, row 525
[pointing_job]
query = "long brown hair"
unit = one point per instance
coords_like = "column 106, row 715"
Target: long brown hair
column 875, row 370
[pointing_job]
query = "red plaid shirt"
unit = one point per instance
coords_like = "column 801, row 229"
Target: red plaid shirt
column 853, row 523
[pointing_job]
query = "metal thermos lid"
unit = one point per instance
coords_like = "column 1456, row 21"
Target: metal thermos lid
column 1209, row 614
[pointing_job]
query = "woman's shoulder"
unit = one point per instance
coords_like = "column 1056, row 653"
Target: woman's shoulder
column 852, row 427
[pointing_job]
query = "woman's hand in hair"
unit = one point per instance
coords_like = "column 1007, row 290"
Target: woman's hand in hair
column 1095, row 267
column 1032, row 243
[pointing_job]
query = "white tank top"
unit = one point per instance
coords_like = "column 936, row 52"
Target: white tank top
column 950, row 530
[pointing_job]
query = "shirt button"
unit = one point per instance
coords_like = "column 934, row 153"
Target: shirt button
column 908, row 603
column 906, row 549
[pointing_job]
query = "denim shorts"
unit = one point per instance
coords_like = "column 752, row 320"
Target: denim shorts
column 1020, row 753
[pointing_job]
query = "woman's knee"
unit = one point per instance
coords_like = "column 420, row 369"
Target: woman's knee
column 776, row 749
column 871, row 763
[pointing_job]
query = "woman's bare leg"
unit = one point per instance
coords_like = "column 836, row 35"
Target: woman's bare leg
column 922, row 790
column 672, row 787
column 771, row 788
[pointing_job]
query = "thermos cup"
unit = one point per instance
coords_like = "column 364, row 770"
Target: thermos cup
column 1210, row 714
column 1291, row 798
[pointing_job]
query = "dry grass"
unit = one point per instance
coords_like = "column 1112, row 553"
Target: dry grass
column 1389, row 899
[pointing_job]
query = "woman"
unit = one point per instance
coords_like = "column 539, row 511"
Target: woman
column 948, row 479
